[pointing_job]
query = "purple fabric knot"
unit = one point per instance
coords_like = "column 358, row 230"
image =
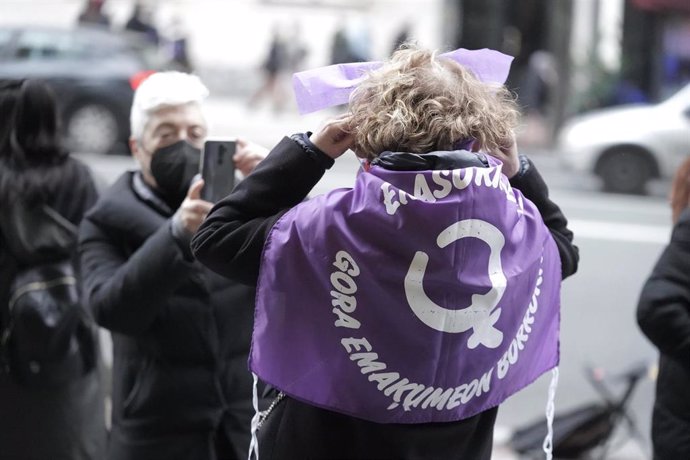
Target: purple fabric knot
column 317, row 89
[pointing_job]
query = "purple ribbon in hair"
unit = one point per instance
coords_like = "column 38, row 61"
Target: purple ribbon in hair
column 324, row 87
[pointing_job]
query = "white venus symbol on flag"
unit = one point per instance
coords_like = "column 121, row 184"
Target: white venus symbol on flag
column 480, row 315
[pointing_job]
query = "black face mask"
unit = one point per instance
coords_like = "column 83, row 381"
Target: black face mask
column 174, row 167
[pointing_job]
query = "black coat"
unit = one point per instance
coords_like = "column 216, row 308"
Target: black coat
column 181, row 333
column 68, row 422
column 663, row 313
column 231, row 240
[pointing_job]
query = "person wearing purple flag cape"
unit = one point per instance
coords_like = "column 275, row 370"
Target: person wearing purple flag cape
column 393, row 318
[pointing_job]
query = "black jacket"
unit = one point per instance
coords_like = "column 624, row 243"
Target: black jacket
column 663, row 313
column 230, row 241
column 67, row 422
column 181, row 333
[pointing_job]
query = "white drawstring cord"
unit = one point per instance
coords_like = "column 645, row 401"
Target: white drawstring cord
column 254, row 445
column 550, row 409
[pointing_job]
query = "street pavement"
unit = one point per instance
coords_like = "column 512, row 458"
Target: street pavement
column 620, row 238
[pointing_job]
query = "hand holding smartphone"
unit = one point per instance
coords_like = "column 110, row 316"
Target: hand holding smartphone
column 218, row 168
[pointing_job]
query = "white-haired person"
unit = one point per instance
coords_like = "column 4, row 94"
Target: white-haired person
column 181, row 333
column 396, row 316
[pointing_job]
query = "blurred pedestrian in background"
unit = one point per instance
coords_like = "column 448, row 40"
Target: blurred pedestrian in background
column 351, row 42
column 275, row 65
column 331, row 270
column 178, row 46
column 141, row 22
column 680, row 190
column 538, row 83
column 93, row 14
column 359, row 39
column 340, row 49
column 663, row 313
column 181, row 333
column 403, row 36
column 61, row 421
column 298, row 50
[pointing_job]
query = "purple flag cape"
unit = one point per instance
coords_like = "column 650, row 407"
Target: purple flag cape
column 414, row 297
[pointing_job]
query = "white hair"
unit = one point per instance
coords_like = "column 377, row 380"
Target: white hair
column 160, row 90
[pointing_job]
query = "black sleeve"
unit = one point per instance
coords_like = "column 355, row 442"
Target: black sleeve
column 83, row 200
column 78, row 193
column 125, row 294
column 533, row 187
column 663, row 311
column 231, row 239
column 89, row 194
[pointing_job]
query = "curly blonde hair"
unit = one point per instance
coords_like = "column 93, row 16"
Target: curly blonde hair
column 419, row 102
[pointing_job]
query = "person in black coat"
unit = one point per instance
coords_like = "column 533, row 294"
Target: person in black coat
column 663, row 314
column 140, row 22
column 181, row 333
column 64, row 422
column 231, row 241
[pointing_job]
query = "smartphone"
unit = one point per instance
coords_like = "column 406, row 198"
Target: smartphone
column 217, row 169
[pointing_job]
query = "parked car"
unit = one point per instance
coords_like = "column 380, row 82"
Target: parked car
column 628, row 146
column 92, row 72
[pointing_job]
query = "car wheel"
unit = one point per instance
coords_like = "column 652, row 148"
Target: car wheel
column 91, row 128
column 625, row 171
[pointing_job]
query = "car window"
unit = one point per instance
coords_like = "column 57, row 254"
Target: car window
column 40, row 44
column 147, row 55
column 90, row 45
column 96, row 44
column 5, row 39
